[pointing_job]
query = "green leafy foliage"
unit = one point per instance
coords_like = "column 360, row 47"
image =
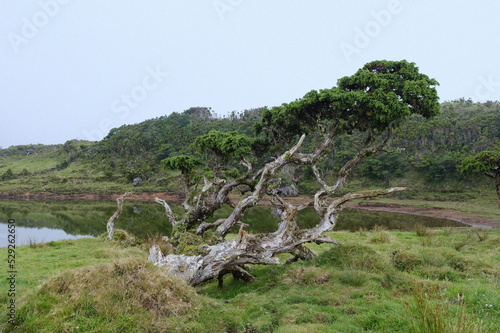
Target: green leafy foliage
column 485, row 161
column 378, row 96
column 7, row 175
column 186, row 164
column 223, row 146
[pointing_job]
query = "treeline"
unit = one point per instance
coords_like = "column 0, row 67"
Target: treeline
column 432, row 149
column 137, row 150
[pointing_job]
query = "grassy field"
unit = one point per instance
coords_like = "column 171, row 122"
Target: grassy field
column 439, row 280
column 37, row 174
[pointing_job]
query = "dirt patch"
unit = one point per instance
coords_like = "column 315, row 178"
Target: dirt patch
column 476, row 221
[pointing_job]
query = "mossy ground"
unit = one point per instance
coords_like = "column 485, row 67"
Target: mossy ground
column 376, row 281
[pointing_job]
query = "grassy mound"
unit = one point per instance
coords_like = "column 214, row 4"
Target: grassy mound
column 126, row 296
column 130, row 292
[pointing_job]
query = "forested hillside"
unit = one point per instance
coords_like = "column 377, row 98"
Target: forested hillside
column 137, row 150
column 422, row 153
column 428, row 149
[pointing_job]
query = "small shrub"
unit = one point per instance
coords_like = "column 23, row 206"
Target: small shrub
column 7, row 175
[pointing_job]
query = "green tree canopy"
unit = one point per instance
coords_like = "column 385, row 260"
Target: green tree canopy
column 186, row 164
column 487, row 162
column 377, row 96
column 223, row 145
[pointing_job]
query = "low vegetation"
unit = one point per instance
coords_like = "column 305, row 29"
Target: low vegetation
column 446, row 280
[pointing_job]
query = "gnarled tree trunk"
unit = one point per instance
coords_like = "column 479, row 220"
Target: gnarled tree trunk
column 230, row 256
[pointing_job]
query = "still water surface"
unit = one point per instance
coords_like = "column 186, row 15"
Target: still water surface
column 38, row 221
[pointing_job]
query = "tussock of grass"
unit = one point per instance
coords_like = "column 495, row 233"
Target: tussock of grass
column 132, row 290
column 353, row 278
column 129, row 295
column 381, row 237
column 307, row 276
column 352, row 256
column 421, row 230
column 429, row 315
column 165, row 247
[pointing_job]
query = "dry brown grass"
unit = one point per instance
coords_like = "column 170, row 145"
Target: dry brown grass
column 131, row 288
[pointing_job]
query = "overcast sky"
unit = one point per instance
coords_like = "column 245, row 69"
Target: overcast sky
column 74, row 69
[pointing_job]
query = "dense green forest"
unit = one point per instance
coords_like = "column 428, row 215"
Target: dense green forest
column 423, row 152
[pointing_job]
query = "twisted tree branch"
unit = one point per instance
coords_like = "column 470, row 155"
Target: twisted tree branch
column 110, row 226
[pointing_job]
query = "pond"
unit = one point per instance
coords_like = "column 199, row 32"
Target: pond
column 38, row 221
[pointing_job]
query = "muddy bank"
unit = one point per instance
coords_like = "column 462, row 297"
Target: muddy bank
column 477, row 221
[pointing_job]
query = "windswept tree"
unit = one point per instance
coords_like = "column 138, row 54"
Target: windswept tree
column 486, row 162
column 374, row 101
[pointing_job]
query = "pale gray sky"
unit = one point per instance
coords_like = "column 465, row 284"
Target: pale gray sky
column 73, row 69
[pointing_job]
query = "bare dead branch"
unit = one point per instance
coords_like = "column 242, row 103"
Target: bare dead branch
column 248, row 165
column 206, row 226
column 267, row 173
column 365, row 194
column 110, row 226
column 168, row 211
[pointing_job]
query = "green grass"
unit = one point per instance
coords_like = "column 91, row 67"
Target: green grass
column 77, row 178
column 405, row 283
column 37, row 173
